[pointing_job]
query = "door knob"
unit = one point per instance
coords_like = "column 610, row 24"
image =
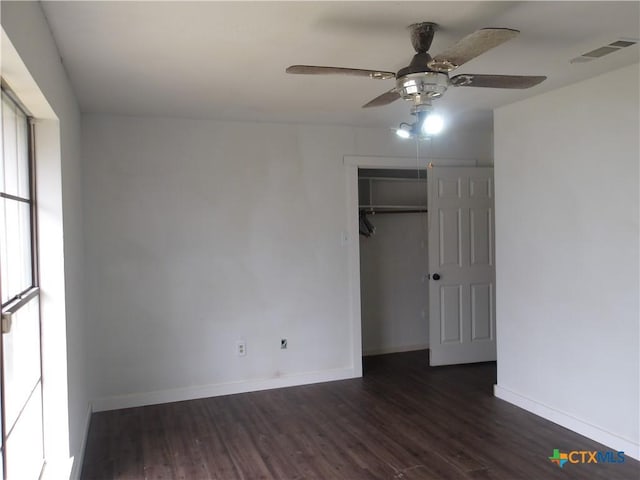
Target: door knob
column 436, row 276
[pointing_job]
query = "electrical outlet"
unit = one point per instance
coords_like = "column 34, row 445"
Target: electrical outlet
column 241, row 348
column 283, row 343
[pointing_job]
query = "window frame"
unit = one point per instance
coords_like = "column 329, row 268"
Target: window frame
column 15, row 303
column 31, row 201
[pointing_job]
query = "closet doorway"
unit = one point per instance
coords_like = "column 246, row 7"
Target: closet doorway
column 393, row 236
column 459, row 304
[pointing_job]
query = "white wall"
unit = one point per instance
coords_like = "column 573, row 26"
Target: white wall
column 31, row 65
column 201, row 233
column 394, row 298
column 566, row 171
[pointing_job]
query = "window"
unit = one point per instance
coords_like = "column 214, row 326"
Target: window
column 22, row 433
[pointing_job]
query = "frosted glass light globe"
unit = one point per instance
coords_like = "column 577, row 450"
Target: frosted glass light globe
column 433, row 124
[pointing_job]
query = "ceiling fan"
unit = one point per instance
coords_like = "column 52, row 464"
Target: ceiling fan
column 427, row 77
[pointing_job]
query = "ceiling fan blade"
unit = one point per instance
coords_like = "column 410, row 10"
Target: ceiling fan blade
column 384, row 99
column 496, row 81
column 470, row 47
column 316, row 70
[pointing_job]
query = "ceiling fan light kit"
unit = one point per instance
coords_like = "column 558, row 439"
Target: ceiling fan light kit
column 433, row 124
column 427, row 78
column 428, row 123
column 405, row 130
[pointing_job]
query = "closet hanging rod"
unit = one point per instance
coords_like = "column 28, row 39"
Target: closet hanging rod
column 378, row 211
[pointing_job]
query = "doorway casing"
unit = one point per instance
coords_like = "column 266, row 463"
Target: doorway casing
column 352, row 163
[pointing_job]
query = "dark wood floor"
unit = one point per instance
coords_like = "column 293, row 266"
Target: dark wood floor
column 402, row 420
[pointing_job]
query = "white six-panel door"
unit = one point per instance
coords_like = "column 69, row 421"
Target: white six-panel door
column 461, row 265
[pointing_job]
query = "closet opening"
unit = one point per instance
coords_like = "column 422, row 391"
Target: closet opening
column 393, row 240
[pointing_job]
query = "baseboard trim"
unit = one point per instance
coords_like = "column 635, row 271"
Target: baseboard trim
column 215, row 390
column 563, row 419
column 384, row 351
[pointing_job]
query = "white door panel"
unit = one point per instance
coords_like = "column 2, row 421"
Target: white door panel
column 461, row 262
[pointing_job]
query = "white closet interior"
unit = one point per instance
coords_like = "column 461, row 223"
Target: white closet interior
column 393, row 260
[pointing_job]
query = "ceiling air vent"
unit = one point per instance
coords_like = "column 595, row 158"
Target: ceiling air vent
column 604, row 50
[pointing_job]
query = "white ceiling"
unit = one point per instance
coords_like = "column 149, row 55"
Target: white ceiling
column 226, row 60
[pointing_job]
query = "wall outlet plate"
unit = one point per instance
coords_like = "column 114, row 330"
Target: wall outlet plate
column 241, row 348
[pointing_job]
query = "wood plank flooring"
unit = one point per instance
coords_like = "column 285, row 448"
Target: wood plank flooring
column 401, row 421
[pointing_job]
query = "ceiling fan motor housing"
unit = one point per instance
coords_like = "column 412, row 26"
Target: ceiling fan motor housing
column 421, row 87
column 422, row 35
